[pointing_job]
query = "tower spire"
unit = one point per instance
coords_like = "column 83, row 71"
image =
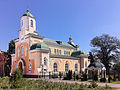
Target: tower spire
column 70, row 38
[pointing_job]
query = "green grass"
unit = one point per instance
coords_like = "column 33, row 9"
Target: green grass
column 27, row 84
column 116, row 82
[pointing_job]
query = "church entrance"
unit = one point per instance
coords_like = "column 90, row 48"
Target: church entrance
column 20, row 66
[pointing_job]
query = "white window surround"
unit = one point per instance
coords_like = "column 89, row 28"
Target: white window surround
column 25, row 51
column 55, row 67
column 66, row 67
column 31, row 23
column 76, row 67
column 22, row 51
column 30, row 67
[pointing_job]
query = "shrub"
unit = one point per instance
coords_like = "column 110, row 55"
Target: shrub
column 55, row 75
column 96, row 77
column 93, row 85
column 68, row 75
column 77, row 77
column 103, row 80
column 60, row 75
column 4, row 83
column 84, row 77
column 109, row 79
column 16, row 80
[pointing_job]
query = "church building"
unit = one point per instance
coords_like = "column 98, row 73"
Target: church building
column 35, row 54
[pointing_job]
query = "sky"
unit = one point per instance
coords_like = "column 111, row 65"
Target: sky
column 58, row 19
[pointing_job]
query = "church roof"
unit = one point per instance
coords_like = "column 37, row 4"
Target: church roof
column 28, row 14
column 57, row 43
column 79, row 53
column 53, row 42
column 39, row 45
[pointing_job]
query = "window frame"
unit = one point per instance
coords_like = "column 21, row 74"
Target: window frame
column 31, row 23
column 76, row 67
column 66, row 67
column 55, row 67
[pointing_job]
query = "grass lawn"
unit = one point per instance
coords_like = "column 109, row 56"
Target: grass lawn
column 116, row 82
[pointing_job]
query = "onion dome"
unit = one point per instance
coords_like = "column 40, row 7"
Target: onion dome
column 28, row 14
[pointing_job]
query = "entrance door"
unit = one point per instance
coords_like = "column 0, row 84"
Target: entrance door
column 20, row 66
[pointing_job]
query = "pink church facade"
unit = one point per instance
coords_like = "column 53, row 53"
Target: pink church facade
column 35, row 54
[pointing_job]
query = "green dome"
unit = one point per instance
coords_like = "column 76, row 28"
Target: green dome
column 39, row 46
column 79, row 53
column 28, row 14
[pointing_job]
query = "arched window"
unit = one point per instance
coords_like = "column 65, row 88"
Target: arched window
column 45, row 61
column 31, row 22
column 26, row 51
column 29, row 67
column 54, row 51
column 55, row 67
column 57, row 51
column 22, row 51
column 86, row 64
column 76, row 67
column 18, row 52
column 66, row 67
column 60, row 52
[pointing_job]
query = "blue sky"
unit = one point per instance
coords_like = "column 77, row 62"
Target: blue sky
column 58, row 19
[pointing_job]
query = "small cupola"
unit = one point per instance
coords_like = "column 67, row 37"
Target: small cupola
column 28, row 14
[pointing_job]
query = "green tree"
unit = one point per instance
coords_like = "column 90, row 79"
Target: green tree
column 11, row 49
column 16, row 79
column 91, row 57
column 116, row 68
column 106, row 48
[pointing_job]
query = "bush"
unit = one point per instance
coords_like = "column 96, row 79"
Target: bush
column 93, row 84
column 16, row 80
column 68, row 75
column 103, row 80
column 84, row 77
column 77, row 77
column 109, row 79
column 55, row 75
column 60, row 75
column 96, row 77
column 4, row 83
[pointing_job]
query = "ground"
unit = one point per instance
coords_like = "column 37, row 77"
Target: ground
column 113, row 85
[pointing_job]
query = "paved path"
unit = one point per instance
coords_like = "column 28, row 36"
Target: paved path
column 116, row 86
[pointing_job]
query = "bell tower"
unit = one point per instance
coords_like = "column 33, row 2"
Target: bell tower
column 27, row 24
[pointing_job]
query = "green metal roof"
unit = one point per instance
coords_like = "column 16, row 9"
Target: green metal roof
column 39, row 46
column 79, row 53
column 65, row 56
column 58, row 43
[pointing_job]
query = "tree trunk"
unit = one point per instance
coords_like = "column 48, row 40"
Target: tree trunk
column 119, row 76
column 108, row 75
column 114, row 76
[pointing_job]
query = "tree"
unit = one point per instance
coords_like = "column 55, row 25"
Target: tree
column 116, row 68
column 17, row 80
column 106, row 48
column 91, row 57
column 11, row 48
